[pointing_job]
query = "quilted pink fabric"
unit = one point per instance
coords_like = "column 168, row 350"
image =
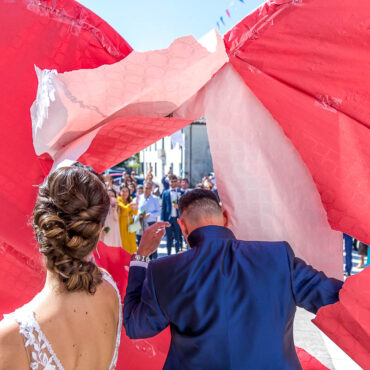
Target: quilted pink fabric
column 73, row 109
column 306, row 62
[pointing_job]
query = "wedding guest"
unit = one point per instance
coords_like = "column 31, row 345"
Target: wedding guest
column 355, row 242
column 149, row 178
column 362, row 251
column 230, row 304
column 140, row 190
column 108, row 181
column 166, row 180
column 132, row 190
column 149, row 175
column 348, row 243
column 75, row 319
column 128, row 208
column 128, row 180
column 170, row 213
column 133, row 178
column 149, row 211
column 111, row 235
column 155, row 190
column 185, row 185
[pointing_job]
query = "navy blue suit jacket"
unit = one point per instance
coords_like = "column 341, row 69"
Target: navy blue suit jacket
column 230, row 304
column 167, row 204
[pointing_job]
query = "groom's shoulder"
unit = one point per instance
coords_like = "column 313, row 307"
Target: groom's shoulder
column 263, row 247
column 170, row 262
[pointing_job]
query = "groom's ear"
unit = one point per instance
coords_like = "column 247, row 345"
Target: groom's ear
column 225, row 216
column 183, row 227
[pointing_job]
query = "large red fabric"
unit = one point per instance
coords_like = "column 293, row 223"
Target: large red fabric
column 347, row 322
column 309, row 362
column 306, row 62
column 125, row 136
column 133, row 354
column 62, row 35
column 303, row 61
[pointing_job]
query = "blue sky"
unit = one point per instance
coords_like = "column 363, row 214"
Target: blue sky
column 150, row 24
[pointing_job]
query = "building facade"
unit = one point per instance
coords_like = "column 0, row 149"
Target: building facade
column 192, row 159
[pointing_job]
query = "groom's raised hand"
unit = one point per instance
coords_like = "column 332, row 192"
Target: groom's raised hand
column 151, row 238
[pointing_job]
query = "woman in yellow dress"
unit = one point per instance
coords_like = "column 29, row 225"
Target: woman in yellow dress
column 128, row 208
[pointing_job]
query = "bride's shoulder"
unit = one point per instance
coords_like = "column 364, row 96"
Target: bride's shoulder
column 109, row 283
column 12, row 353
column 9, row 331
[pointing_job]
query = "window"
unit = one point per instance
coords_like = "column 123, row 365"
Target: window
column 155, row 146
column 163, row 143
column 155, row 169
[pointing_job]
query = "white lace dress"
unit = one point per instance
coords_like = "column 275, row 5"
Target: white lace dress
column 42, row 354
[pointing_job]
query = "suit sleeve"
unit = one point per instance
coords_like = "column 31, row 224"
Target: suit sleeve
column 163, row 206
column 311, row 289
column 143, row 317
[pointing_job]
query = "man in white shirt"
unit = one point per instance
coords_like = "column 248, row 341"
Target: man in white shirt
column 148, row 209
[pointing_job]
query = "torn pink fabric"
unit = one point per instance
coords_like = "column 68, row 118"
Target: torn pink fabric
column 98, row 107
column 267, row 189
column 307, row 62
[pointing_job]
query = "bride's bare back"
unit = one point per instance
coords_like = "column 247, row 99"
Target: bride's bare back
column 82, row 330
column 73, row 323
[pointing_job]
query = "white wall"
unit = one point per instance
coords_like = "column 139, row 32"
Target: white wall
column 174, row 157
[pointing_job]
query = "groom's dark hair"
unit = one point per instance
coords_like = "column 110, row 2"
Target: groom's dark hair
column 199, row 202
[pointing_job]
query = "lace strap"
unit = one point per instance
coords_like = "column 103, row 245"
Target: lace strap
column 36, row 340
column 110, row 280
column 25, row 348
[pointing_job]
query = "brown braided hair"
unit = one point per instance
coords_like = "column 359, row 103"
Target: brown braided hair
column 70, row 211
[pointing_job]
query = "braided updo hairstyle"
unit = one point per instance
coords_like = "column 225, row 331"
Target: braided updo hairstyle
column 70, row 211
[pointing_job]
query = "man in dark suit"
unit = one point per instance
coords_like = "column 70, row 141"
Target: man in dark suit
column 166, row 179
column 230, row 303
column 170, row 213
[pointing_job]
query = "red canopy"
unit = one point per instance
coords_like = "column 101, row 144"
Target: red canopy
column 63, row 35
column 307, row 62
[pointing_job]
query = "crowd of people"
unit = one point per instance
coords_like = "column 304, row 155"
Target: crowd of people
column 136, row 204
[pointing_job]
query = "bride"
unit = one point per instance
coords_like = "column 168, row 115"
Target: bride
column 75, row 321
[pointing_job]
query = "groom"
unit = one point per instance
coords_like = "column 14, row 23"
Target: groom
column 230, row 303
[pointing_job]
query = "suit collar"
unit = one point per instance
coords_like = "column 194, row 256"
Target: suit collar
column 208, row 233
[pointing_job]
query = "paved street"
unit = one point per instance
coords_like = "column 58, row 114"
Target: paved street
column 315, row 342
column 307, row 335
